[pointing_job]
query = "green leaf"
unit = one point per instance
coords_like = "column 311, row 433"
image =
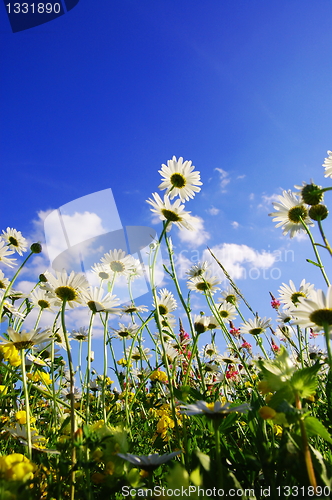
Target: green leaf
column 283, row 394
column 314, row 263
column 305, row 381
column 279, row 371
column 204, row 460
column 314, row 427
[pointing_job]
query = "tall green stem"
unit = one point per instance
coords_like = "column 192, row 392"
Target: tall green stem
column 27, row 404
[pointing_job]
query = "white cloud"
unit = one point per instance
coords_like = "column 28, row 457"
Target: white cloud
column 300, row 236
column 224, row 178
column 197, row 237
column 236, row 257
column 182, row 264
column 241, row 176
column 213, row 211
column 267, row 201
column 251, row 196
column 235, row 224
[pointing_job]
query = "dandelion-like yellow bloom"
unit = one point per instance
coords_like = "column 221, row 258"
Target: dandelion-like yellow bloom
column 158, row 375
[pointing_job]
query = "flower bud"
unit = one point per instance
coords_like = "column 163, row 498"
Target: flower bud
column 312, row 194
column 318, row 212
column 36, row 248
column 42, row 278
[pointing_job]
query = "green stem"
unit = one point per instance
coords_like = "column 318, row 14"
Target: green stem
column 328, row 343
column 314, row 246
column 319, row 221
column 27, row 405
column 12, row 282
column 72, row 402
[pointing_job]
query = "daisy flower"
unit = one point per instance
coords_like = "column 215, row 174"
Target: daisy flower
column 118, row 262
column 171, row 354
column 24, row 339
column 210, row 350
column 4, row 252
column 139, row 353
column 93, row 297
column 149, row 462
column 212, row 410
column 201, row 323
column 4, row 282
column 316, row 310
column 213, row 323
column 14, row 240
column 102, row 271
column 81, row 334
column 66, row 288
column 179, row 179
column 124, row 332
column 132, row 309
column 290, row 211
column 255, row 326
column 198, row 269
column 174, row 214
column 166, row 302
column 328, row 165
column 204, row 283
column 227, row 311
column 229, row 295
column 290, row 295
column 44, row 300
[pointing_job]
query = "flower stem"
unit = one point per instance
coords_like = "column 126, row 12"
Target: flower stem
column 27, row 405
column 72, row 402
column 305, row 445
column 314, row 246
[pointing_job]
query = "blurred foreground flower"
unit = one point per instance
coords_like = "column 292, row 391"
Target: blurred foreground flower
column 212, row 410
column 149, row 462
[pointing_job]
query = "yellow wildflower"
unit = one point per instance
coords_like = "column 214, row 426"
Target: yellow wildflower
column 21, row 417
column 10, row 353
column 158, row 375
column 3, row 390
column 163, row 425
column 277, row 429
column 16, row 467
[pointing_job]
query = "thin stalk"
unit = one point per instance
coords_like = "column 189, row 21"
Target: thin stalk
column 27, row 405
column 327, row 245
column 72, row 403
column 88, row 369
column 12, row 282
column 314, row 246
column 328, row 343
column 305, row 446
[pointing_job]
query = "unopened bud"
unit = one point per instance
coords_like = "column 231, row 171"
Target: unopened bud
column 36, row 248
column 318, row 212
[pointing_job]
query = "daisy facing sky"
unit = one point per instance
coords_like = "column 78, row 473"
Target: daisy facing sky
column 179, row 179
column 290, row 212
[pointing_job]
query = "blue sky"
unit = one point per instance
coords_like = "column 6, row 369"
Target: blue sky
column 102, row 96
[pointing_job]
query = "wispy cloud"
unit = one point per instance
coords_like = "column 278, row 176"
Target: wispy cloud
column 235, row 224
column 224, row 178
column 266, row 202
column 197, row 237
column 237, row 259
column 213, row 211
